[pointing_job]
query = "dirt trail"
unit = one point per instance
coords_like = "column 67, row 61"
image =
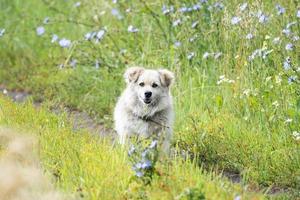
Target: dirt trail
column 79, row 119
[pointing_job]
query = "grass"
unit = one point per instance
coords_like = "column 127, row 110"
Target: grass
column 92, row 168
column 243, row 127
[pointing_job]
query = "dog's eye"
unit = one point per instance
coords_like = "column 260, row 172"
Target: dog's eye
column 142, row 84
column 154, row 85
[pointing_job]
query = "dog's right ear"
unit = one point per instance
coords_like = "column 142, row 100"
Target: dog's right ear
column 132, row 74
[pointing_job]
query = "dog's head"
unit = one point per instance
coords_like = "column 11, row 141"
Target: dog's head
column 149, row 85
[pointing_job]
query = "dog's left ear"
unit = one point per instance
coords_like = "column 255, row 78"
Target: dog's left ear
column 166, row 77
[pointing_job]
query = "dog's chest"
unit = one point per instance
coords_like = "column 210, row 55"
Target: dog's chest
column 143, row 127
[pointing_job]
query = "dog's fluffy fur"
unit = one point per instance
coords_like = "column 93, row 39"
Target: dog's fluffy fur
column 137, row 114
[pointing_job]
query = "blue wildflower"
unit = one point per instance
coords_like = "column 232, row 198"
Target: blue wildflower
column 289, row 47
column 262, row 18
column 287, row 63
column 298, row 13
column 54, row 38
column 132, row 29
column 286, row 31
column 2, row 31
column 219, row 5
column 197, row 6
column 292, row 79
column 65, row 43
column 183, row 9
column 40, row 30
column 73, row 63
column 280, row 9
column 115, row 12
column 177, row 44
column 139, row 174
column 249, row 36
column 235, row 20
column 166, row 10
column 88, row 36
column 146, row 164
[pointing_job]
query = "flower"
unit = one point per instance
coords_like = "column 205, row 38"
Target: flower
column 40, row 30
column 2, row 31
column 280, row 9
column 115, row 12
column 132, row 29
column 176, row 23
column 206, row 55
column 146, row 164
column 235, row 20
column 243, row 7
column 97, row 64
column 287, row 63
column 249, row 36
column 100, row 34
column 219, row 5
column 166, row 10
column 292, row 79
column 77, row 4
column 298, row 14
column 54, row 38
column 262, row 18
column 73, row 63
column 289, row 47
column 46, row 20
column 65, row 43
column 286, row 31
column 177, row 44
column 139, row 173
column 190, row 55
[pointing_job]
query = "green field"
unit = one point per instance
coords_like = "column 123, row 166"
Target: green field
column 236, row 93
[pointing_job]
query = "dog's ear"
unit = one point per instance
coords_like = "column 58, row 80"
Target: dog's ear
column 132, row 74
column 166, row 77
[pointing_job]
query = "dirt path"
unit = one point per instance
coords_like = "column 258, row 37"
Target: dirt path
column 79, row 119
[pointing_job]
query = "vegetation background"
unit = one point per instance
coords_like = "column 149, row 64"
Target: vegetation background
column 236, row 95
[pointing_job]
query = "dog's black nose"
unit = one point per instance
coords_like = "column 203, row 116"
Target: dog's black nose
column 148, row 94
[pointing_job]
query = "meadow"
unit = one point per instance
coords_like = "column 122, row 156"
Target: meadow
column 236, row 93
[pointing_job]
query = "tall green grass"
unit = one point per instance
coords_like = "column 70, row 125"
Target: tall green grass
column 89, row 167
column 241, row 127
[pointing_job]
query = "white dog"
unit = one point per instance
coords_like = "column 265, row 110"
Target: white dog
column 145, row 107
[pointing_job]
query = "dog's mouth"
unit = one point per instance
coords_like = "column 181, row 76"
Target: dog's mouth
column 147, row 101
